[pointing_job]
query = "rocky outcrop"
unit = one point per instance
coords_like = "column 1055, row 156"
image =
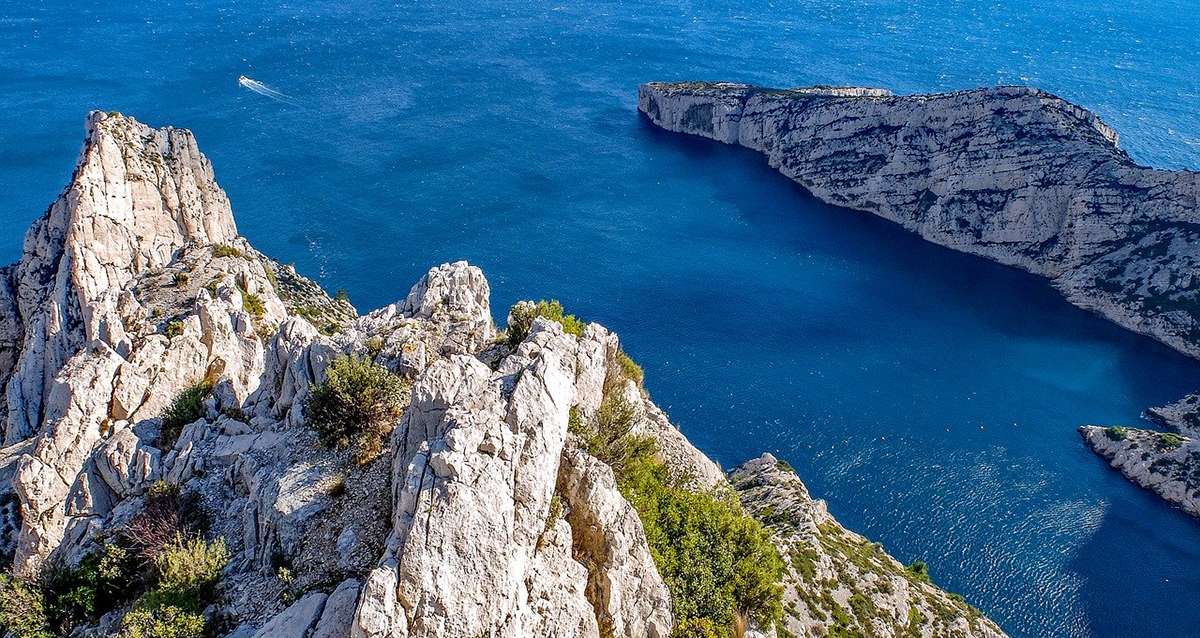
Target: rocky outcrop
column 839, row 583
column 482, row 515
column 1013, row 174
column 1165, row 463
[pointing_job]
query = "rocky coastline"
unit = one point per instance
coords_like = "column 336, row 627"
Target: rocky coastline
column 1009, row 173
column 162, row 379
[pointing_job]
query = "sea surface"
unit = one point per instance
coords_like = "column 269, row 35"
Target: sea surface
column 932, row 398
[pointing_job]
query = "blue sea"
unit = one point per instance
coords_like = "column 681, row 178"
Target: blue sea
column 932, row 398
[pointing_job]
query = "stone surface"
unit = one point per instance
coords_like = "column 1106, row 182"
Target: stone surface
column 1166, row 464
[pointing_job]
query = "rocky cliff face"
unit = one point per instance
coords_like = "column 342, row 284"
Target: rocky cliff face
column 482, row 515
column 1013, row 174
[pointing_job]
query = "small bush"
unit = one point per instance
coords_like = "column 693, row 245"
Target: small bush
column 191, row 567
column 168, row 511
column 186, row 408
column 167, row 621
column 187, row 572
column 608, row 435
column 342, row 296
column 1169, row 440
column 225, row 250
column 22, row 609
column 357, row 406
column 181, row 279
column 101, row 581
column 253, row 304
column 918, row 570
column 718, row 563
column 211, row 287
column 785, row 466
column 174, row 328
column 522, row 314
column 629, row 368
column 1116, row 433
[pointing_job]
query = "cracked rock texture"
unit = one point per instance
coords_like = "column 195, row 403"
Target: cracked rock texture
column 481, row 517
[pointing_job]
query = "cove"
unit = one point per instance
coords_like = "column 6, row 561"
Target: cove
column 930, row 397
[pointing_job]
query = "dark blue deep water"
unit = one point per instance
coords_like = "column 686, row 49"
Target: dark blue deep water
column 931, row 397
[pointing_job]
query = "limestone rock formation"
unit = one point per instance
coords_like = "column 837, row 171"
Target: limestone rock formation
column 481, row 515
column 1162, row 462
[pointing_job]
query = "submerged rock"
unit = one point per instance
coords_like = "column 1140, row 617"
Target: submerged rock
column 482, row 514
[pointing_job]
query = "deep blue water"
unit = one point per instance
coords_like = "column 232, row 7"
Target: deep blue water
column 931, row 397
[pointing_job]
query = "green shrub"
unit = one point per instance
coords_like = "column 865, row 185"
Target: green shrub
column 1116, row 433
column 629, row 368
column 253, row 304
column 1169, row 440
column 190, row 567
column 79, row 595
column 174, row 328
column 522, row 314
column 22, row 609
column 342, row 296
column 165, row 621
column 225, row 250
column 357, row 405
column 186, row 408
column 187, row 572
column 784, row 466
column 718, row 563
column 181, row 279
column 918, row 570
column 609, row 436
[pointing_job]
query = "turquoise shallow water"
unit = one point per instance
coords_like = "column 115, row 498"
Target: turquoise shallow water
column 931, row 397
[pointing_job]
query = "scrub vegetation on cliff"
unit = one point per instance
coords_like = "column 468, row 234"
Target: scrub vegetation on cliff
column 719, row 563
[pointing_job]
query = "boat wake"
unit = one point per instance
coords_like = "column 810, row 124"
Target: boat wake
column 264, row 90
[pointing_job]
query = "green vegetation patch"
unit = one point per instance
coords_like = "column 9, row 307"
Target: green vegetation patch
column 356, row 406
column 1169, row 441
column 187, row 407
column 1116, row 433
column 225, row 250
column 522, row 314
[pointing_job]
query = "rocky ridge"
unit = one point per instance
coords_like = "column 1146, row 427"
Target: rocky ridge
column 1010, row 173
column 483, row 515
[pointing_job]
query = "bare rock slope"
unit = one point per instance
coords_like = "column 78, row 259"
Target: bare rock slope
column 483, row 515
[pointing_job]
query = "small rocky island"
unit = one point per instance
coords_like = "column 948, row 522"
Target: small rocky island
column 1013, row 174
column 199, row 441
